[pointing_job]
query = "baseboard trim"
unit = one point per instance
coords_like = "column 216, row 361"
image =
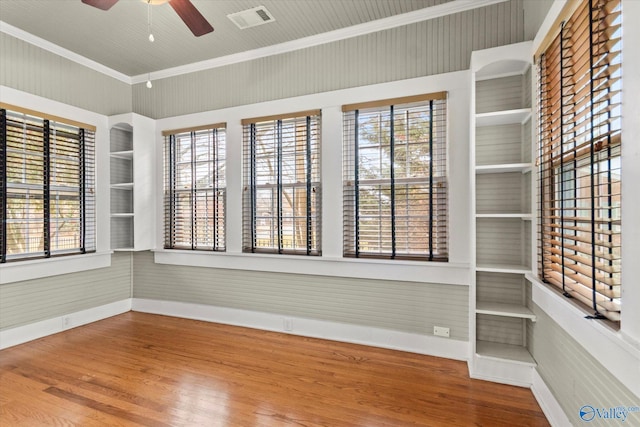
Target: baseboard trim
column 548, row 403
column 356, row 334
column 33, row 331
column 501, row 371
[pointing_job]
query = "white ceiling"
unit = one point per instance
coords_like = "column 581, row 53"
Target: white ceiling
column 117, row 38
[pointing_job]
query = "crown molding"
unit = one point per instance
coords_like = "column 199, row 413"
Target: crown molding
column 449, row 8
column 60, row 51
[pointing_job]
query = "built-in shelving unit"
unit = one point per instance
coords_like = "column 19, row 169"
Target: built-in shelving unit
column 131, row 158
column 502, row 183
column 121, row 165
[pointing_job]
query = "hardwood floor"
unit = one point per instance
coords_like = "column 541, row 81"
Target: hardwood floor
column 146, row 370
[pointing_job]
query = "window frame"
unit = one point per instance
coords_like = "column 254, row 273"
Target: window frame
column 570, row 136
column 214, row 193
column 311, row 122
column 68, row 152
column 437, row 238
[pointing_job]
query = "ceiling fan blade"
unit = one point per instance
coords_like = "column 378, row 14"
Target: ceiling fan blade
column 190, row 15
column 100, row 4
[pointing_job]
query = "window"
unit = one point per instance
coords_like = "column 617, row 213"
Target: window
column 580, row 142
column 195, row 189
column 395, row 178
column 281, row 212
column 47, row 181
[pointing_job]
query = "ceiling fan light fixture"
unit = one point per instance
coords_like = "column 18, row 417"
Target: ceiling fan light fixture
column 155, row 2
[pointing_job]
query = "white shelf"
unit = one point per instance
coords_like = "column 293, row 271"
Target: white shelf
column 504, row 68
column 123, row 249
column 123, row 186
column 505, row 310
column 502, row 352
column 506, row 117
column 522, row 216
column 126, row 155
column 132, row 164
column 504, row 168
column 503, row 268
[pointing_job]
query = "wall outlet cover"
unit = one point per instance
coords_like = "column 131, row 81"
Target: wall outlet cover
column 441, row 331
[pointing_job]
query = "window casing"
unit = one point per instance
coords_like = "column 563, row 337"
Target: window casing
column 195, row 188
column 281, row 206
column 47, row 186
column 579, row 158
column 395, row 179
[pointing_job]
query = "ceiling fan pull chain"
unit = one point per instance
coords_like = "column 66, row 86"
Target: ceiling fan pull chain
column 149, row 21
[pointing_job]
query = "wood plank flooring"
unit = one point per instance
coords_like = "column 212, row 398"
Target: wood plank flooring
column 146, row 370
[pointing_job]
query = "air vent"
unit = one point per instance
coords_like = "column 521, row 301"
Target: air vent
column 251, row 17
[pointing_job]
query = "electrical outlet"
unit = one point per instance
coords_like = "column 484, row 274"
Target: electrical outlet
column 287, row 324
column 441, row 331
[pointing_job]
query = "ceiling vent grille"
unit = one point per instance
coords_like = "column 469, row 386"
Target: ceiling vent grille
column 251, row 17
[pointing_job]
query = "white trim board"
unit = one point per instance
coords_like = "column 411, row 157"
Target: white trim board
column 43, row 328
column 501, row 371
column 61, row 51
column 548, row 403
column 46, row 267
column 355, row 334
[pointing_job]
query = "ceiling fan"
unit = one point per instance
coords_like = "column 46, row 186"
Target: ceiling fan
column 184, row 8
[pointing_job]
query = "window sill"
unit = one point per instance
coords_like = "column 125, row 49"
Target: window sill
column 397, row 270
column 619, row 353
column 38, row 268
